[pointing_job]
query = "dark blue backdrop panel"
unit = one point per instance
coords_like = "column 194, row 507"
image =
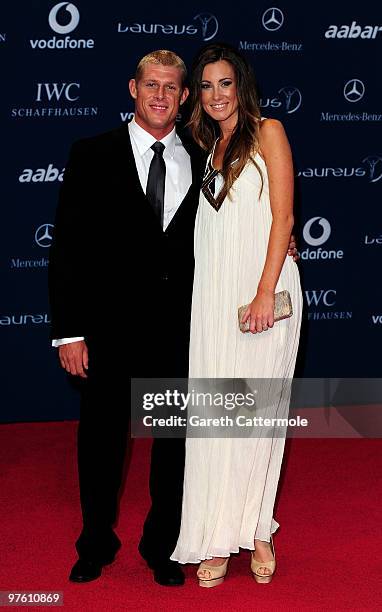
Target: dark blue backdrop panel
column 65, row 70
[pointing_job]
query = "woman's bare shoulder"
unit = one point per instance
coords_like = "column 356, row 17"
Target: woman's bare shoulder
column 271, row 127
column 271, row 134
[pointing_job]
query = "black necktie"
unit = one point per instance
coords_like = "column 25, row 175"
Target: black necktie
column 156, row 180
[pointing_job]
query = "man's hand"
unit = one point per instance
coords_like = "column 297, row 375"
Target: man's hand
column 292, row 249
column 74, row 358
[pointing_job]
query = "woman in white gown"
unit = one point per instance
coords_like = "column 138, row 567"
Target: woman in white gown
column 242, row 232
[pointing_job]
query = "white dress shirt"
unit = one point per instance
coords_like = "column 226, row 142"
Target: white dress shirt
column 178, row 176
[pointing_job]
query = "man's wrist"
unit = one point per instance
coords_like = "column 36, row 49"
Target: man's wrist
column 61, row 341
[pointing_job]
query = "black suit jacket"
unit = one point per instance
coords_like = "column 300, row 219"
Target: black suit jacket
column 114, row 276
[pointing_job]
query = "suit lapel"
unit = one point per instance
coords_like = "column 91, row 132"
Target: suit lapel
column 126, row 162
column 196, row 170
column 128, row 168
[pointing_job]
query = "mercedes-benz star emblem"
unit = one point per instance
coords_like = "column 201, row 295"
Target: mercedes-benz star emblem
column 43, row 235
column 354, row 90
column 273, row 19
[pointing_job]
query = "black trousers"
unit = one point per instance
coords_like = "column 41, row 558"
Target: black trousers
column 162, row 525
column 102, row 448
column 102, row 445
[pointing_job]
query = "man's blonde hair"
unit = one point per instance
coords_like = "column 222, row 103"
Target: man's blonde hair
column 162, row 57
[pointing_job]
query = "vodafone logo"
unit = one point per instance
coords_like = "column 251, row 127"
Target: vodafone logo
column 325, row 231
column 63, row 18
column 315, row 233
column 74, row 18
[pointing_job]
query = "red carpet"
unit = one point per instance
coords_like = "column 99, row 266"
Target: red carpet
column 328, row 545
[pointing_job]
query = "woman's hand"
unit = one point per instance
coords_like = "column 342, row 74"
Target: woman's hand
column 260, row 311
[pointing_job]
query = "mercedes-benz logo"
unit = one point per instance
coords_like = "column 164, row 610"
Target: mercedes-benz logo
column 325, row 233
column 210, row 25
column 293, row 98
column 372, row 162
column 74, row 18
column 354, row 90
column 273, row 19
column 43, row 235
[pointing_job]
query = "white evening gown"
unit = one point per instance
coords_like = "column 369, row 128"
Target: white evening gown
column 230, row 484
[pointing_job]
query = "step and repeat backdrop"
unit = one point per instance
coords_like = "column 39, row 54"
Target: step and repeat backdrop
column 64, row 74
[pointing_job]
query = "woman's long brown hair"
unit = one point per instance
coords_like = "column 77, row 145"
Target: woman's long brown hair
column 244, row 142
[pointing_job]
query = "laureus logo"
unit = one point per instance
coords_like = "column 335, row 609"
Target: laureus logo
column 374, row 165
column 293, row 99
column 205, row 24
column 209, row 25
column 370, row 168
column 74, row 18
column 290, row 100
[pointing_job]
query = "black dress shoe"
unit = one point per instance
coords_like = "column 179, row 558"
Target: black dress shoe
column 85, row 570
column 168, row 573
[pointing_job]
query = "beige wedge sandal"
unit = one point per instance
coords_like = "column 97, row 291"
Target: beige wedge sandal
column 213, row 575
column 271, row 565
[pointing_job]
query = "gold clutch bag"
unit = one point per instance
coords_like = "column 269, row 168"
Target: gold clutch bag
column 283, row 309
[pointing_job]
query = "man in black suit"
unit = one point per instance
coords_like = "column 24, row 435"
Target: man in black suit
column 124, row 225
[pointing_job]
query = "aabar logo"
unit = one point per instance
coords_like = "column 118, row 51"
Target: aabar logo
column 353, row 31
column 42, row 175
